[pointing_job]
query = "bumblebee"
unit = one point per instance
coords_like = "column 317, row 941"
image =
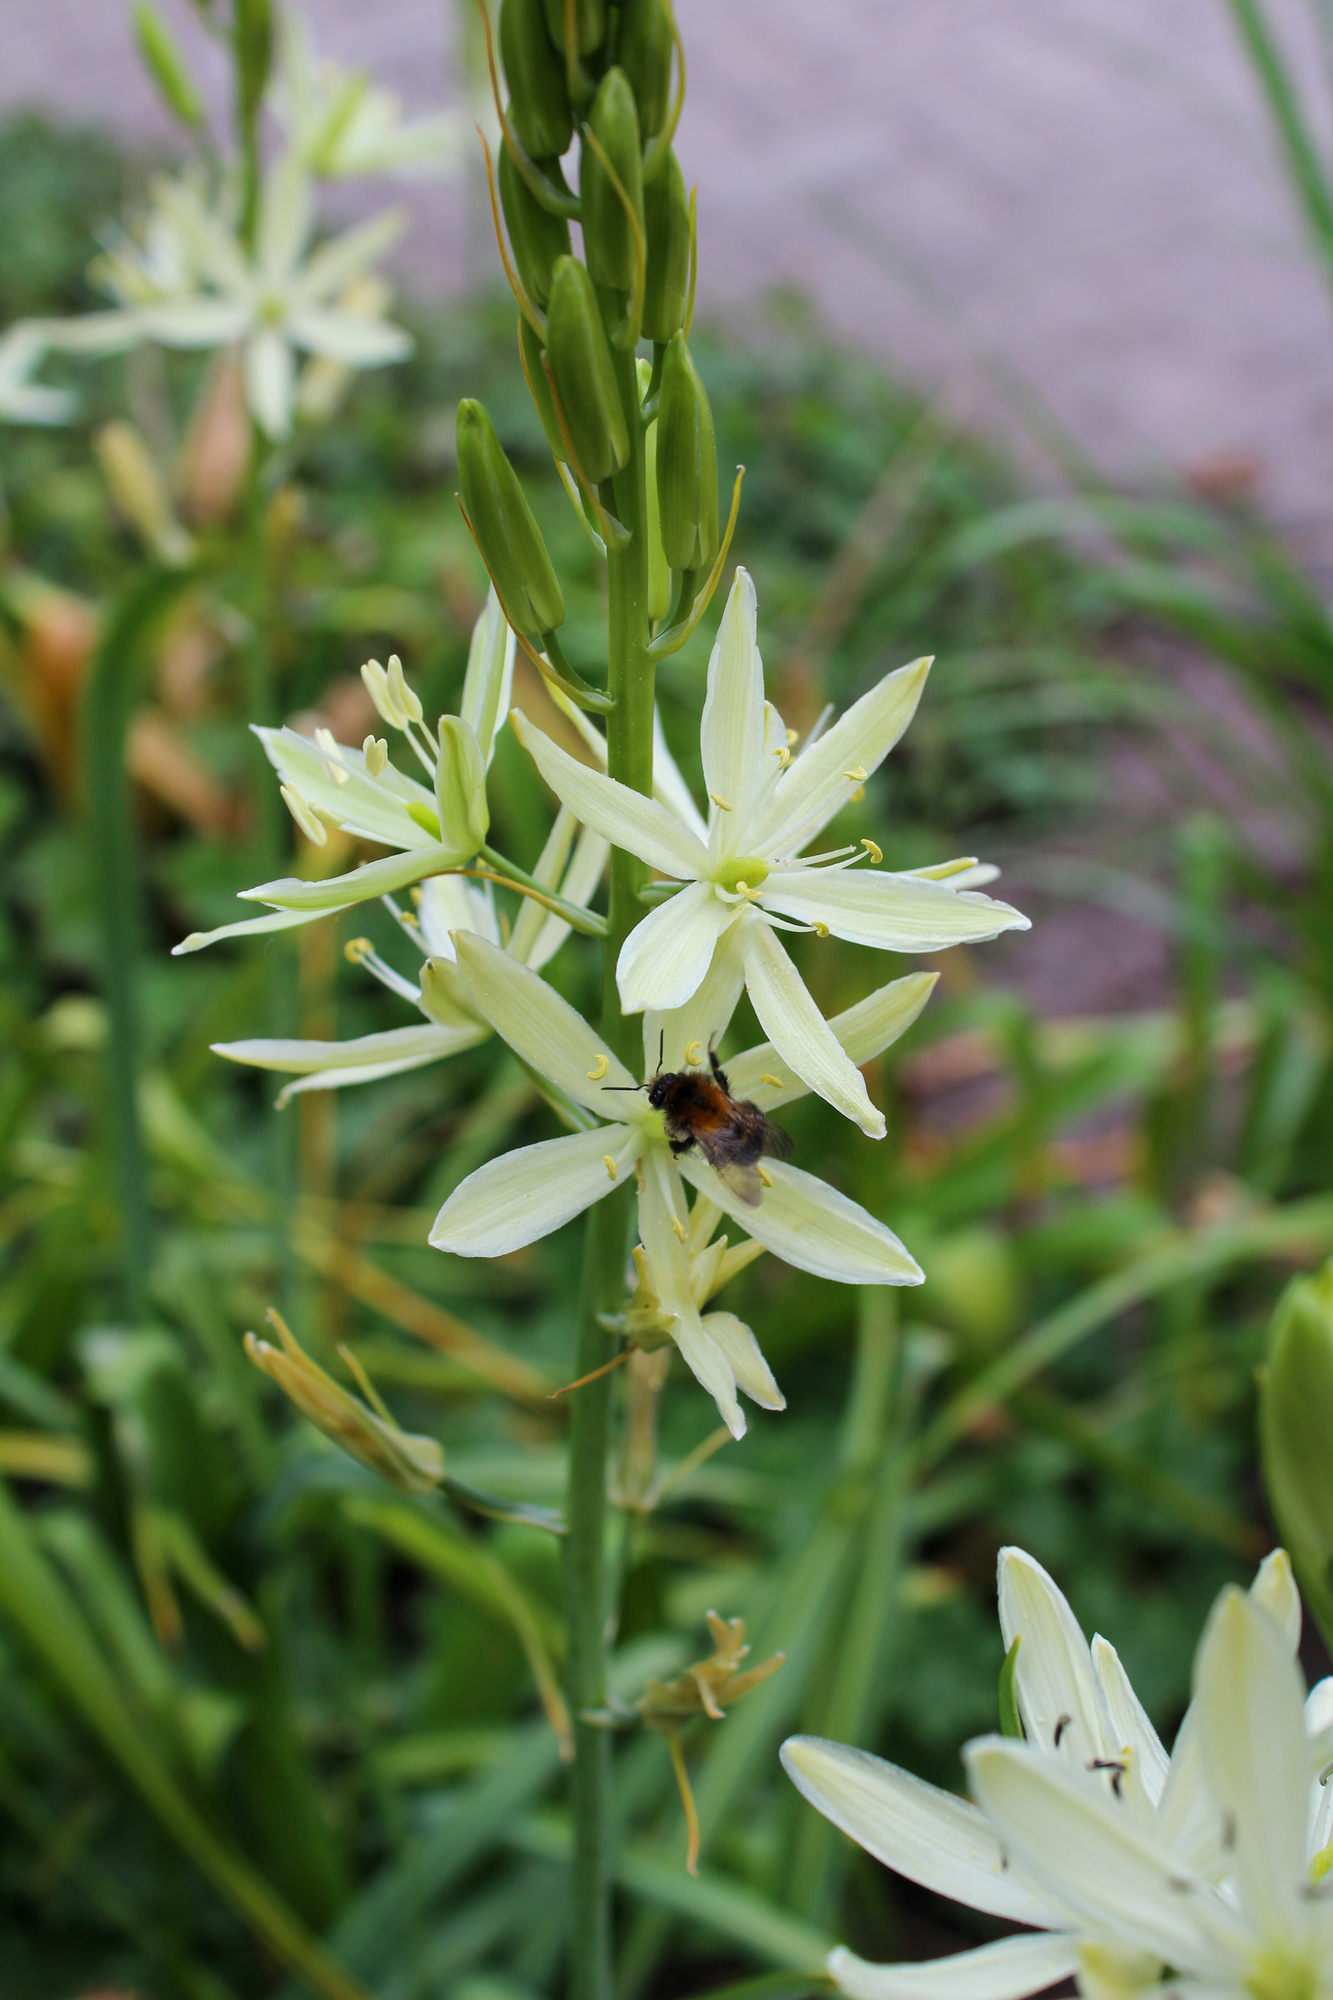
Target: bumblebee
column 732, row 1134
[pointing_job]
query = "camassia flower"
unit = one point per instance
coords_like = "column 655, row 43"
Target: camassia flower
column 526, row 1194
column 345, row 126
column 443, row 904
column 191, row 282
column 749, row 875
column 1125, row 1861
column 435, row 830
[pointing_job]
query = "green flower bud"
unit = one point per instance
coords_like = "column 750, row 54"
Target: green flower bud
column 530, row 352
column 666, row 223
column 157, row 46
column 585, row 382
column 608, row 237
column 252, row 43
column 643, row 51
column 538, row 99
column 659, row 575
column 686, row 463
column 509, row 539
column 1296, row 1418
column 537, row 239
column 460, row 787
column 589, row 20
column 412, row 1463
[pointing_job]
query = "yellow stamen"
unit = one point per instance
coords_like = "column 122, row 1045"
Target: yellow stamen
column 416, row 894
column 640, row 1182
column 793, row 738
column 857, row 796
column 721, row 804
column 598, row 1070
column 856, row 774
column 610, row 1166
column 821, row 930
column 783, row 755
column 873, row 849
column 695, row 1052
column 409, row 917
column 303, row 813
column 764, row 1176
column 357, row 950
column 679, row 1228
column 774, row 1082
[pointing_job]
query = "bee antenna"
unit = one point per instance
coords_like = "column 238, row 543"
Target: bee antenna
column 661, row 1050
column 624, row 1086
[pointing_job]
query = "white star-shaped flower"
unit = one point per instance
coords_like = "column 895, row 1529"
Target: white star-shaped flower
column 345, row 126
column 1126, row 1861
column 748, row 874
column 526, row 1194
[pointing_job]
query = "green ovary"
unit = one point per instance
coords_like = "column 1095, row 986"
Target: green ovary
column 746, row 868
column 1279, row 1975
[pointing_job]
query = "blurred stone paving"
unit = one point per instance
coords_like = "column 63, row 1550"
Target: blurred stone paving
column 1081, row 192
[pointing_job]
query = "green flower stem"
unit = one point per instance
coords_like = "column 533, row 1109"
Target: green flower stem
column 606, row 1246
column 113, row 685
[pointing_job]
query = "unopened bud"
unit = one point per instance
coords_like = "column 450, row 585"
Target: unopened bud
column 589, row 23
column 1296, row 1419
column 460, row 787
column 538, row 99
column 659, row 574
column 643, row 50
column 608, row 234
column 534, row 370
column 585, row 382
column 666, row 224
column 507, row 534
column 166, row 64
column 686, row 463
column 252, row 46
column 404, row 699
column 537, row 239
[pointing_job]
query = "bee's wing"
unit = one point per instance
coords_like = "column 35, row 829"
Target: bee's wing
column 743, row 1181
column 777, row 1143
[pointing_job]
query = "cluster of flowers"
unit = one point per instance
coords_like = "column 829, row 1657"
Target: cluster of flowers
column 188, row 276
column 1205, row 1872
column 733, row 883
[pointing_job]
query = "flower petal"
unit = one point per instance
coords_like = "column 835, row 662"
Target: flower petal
column 664, row 959
column 1130, row 1726
column 357, row 340
column 799, row 1031
column 931, row 1837
column 677, row 1036
column 340, row 785
column 286, row 211
column 1251, row 1709
column 1274, row 1589
column 862, row 1032
column 744, row 1358
column 526, row 1194
column 731, row 735
column 1005, row 1971
column 585, row 871
column 269, row 371
column 890, row 912
column 824, row 775
column 809, row 1224
column 1066, row 1833
column 622, row 816
column 331, row 268
column 452, row 903
column 193, row 321
column 277, row 920
column 330, row 1065
column 542, row 1029
column 660, row 1201
column 374, row 878
column 669, row 788
column 1059, row 1696
column 489, row 680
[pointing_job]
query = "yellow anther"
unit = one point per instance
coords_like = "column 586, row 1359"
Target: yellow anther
column 409, row 917
column 695, row 1052
column 639, row 1180
column 303, row 813
column 764, row 1176
column 774, row 1082
column 357, row 950
column 416, row 895
column 857, row 796
column 402, row 694
column 856, row 774
column 597, row 1072
column 821, row 930
column 783, row 755
column 793, row 738
column 679, row 1228
column 376, row 753
column 873, row 849
column 610, row 1166
column 329, row 745
column 721, row 804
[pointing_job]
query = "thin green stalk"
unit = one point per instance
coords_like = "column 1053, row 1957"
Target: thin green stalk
column 112, row 687
column 605, row 1249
